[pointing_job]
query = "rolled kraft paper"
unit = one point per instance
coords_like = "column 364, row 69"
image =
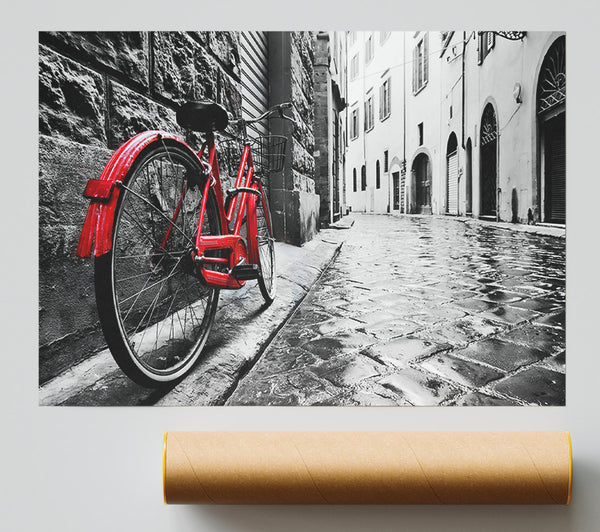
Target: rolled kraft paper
column 367, row 467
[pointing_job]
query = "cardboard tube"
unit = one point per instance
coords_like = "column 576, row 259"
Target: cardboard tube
column 367, row 467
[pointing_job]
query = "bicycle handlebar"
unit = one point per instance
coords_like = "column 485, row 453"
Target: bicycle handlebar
column 276, row 109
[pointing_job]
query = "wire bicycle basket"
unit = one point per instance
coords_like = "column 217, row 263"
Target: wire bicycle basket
column 268, row 154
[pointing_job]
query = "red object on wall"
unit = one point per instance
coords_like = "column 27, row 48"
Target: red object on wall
column 97, row 228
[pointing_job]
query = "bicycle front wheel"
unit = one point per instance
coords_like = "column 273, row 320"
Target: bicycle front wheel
column 266, row 250
column 154, row 309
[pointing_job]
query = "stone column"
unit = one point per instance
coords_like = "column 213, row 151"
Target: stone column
column 294, row 203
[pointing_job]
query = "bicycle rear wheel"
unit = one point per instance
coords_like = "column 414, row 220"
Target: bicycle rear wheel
column 266, row 250
column 155, row 312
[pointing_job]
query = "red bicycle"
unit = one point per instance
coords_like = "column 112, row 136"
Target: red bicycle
column 166, row 239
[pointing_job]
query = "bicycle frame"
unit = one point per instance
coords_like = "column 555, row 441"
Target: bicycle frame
column 247, row 190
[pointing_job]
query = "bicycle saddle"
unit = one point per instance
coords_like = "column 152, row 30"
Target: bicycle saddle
column 202, row 116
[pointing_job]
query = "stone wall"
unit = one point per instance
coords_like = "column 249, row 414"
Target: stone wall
column 98, row 89
column 321, row 129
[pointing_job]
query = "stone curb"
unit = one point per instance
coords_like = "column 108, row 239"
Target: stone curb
column 243, row 329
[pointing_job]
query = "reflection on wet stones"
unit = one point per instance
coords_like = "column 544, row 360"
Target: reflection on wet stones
column 426, row 310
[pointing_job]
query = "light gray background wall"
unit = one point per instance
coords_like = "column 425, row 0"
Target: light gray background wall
column 88, row 469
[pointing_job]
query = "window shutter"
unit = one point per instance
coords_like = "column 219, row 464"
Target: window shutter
column 381, row 107
column 389, row 96
column 415, row 69
column 425, row 58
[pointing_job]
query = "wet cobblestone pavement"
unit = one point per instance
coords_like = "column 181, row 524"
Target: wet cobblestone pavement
column 424, row 311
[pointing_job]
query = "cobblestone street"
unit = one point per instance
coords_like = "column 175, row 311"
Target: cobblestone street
column 424, row 311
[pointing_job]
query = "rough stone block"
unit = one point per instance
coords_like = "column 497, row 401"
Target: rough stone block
column 64, row 170
column 72, row 99
column 132, row 113
column 182, row 70
column 303, row 183
column 302, row 159
column 303, row 43
column 68, row 321
column 125, row 52
column 224, row 45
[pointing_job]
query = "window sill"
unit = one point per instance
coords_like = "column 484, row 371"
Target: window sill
column 420, row 89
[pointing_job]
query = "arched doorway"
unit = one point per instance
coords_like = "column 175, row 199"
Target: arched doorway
column 551, row 112
column 452, row 175
column 469, row 178
column 488, row 158
column 421, row 172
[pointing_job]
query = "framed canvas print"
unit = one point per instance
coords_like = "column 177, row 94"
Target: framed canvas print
column 342, row 218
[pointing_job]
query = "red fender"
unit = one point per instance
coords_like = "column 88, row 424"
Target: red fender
column 103, row 193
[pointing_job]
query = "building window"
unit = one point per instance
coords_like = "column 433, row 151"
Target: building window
column 386, row 167
column 487, row 40
column 377, row 175
column 363, row 178
column 369, row 119
column 354, row 67
column 354, row 124
column 396, row 182
column 385, row 101
column 421, row 64
column 369, row 49
column 354, row 184
column 420, row 126
column 383, row 35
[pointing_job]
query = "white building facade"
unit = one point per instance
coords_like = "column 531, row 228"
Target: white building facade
column 477, row 126
column 375, row 121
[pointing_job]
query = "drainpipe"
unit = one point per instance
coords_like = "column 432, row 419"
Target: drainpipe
column 464, row 46
column 403, row 167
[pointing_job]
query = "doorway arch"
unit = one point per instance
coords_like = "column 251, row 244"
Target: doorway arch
column 488, row 162
column 551, row 113
column 452, row 175
column 421, row 177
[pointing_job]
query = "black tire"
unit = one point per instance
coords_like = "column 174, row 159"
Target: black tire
column 155, row 311
column 267, row 278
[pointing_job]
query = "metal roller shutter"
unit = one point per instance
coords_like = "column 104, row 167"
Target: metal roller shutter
column 452, row 167
column 254, row 76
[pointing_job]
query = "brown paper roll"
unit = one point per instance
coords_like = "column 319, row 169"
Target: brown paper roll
column 367, row 467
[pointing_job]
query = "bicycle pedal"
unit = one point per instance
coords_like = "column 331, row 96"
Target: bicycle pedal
column 245, row 272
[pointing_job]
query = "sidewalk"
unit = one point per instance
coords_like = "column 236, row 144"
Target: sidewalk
column 242, row 330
